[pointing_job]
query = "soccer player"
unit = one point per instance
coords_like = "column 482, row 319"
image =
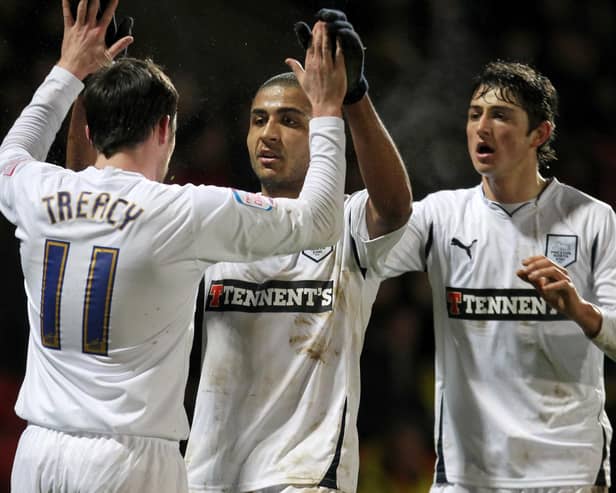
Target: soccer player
column 277, row 403
column 523, row 276
column 112, row 259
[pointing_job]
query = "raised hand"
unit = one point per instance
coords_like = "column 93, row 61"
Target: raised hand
column 339, row 28
column 114, row 31
column 83, row 47
column 324, row 77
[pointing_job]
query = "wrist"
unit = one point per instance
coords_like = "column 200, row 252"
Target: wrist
column 357, row 93
column 72, row 68
column 589, row 318
column 326, row 110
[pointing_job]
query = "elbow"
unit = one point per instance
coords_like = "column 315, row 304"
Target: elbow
column 334, row 231
column 401, row 212
column 328, row 231
column 395, row 213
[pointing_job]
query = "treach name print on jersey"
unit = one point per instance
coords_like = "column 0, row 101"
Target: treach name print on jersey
column 116, row 211
column 498, row 304
column 271, row 296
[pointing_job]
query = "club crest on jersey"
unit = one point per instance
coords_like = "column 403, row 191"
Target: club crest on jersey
column 562, row 249
column 498, row 304
column 318, row 254
column 253, row 200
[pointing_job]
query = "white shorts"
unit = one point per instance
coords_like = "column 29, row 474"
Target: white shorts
column 285, row 488
column 50, row 461
column 456, row 488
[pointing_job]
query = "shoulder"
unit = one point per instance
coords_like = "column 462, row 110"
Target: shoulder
column 571, row 198
column 459, row 195
column 446, row 203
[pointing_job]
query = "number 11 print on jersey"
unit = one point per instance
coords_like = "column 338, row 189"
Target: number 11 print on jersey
column 97, row 299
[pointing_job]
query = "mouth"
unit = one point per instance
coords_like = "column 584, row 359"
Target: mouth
column 267, row 157
column 484, row 151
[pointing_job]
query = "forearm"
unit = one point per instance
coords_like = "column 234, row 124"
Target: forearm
column 323, row 190
column 382, row 169
column 35, row 129
column 80, row 153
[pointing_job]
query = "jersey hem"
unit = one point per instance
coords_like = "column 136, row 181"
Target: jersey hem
column 524, row 483
column 99, row 433
column 313, row 482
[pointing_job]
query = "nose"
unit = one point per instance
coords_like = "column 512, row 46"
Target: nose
column 270, row 132
column 483, row 125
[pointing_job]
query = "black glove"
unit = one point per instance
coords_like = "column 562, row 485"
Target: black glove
column 353, row 48
column 115, row 31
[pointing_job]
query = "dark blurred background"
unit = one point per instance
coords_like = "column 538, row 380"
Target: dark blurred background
column 421, row 55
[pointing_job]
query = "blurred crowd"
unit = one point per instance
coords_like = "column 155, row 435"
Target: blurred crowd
column 421, row 56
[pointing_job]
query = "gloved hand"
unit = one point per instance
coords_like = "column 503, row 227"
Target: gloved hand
column 353, row 48
column 115, row 31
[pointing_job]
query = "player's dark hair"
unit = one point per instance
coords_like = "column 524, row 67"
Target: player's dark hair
column 125, row 101
column 522, row 85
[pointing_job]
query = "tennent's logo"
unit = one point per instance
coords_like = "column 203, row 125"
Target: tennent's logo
column 272, row 296
column 498, row 304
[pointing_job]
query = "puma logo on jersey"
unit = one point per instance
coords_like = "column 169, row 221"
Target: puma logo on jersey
column 272, row 296
column 498, row 304
column 467, row 249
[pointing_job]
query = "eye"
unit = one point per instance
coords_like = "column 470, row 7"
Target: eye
column 290, row 121
column 474, row 115
column 258, row 121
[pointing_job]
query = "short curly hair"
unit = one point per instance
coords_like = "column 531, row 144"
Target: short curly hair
column 522, row 85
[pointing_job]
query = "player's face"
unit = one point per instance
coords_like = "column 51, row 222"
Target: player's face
column 498, row 140
column 278, row 139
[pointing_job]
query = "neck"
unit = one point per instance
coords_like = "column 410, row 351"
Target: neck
column 512, row 191
column 279, row 192
column 137, row 160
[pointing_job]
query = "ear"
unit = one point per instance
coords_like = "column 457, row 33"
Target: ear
column 164, row 129
column 88, row 134
column 541, row 134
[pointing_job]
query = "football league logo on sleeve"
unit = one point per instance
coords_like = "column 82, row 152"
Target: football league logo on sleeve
column 9, row 168
column 562, row 249
column 253, row 200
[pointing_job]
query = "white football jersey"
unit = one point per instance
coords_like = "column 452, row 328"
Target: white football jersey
column 519, row 393
column 112, row 263
column 279, row 391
